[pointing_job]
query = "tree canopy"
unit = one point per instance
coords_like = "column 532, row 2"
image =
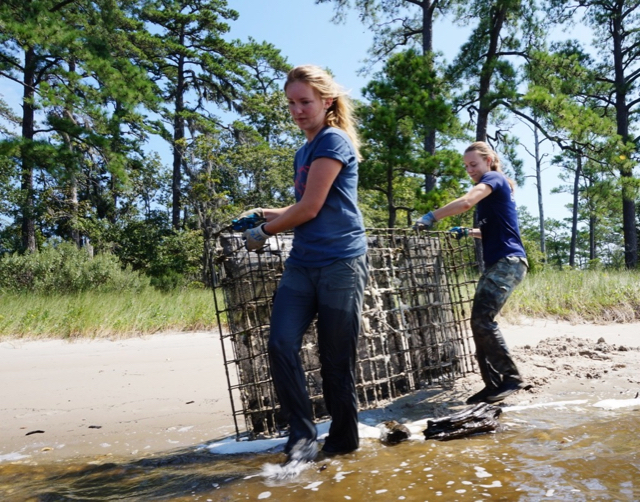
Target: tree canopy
column 102, row 81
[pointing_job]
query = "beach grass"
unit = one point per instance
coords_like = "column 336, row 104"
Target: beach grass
column 106, row 314
column 569, row 295
column 578, row 296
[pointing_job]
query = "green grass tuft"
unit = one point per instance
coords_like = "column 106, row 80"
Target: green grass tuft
column 577, row 296
column 106, row 314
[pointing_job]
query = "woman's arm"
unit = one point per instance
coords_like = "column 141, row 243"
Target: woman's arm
column 464, row 203
column 475, row 233
column 322, row 173
column 272, row 213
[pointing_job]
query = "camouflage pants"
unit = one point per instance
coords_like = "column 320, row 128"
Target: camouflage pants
column 494, row 288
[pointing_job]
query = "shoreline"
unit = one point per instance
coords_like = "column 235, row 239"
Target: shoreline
column 93, row 400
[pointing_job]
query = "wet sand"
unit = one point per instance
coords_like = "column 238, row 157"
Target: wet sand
column 152, row 394
column 124, row 397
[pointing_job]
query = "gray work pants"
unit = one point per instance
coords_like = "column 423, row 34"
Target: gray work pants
column 335, row 294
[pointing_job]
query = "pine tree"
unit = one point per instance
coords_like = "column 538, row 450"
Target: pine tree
column 79, row 88
column 196, row 68
column 615, row 26
column 399, row 113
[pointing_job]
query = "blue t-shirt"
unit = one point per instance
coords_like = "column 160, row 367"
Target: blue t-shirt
column 337, row 232
column 498, row 220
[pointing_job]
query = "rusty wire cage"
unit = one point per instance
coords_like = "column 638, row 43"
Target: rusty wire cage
column 415, row 331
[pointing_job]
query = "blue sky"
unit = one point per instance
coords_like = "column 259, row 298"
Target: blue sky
column 304, row 33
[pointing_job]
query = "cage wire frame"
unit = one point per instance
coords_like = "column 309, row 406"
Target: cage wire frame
column 415, row 323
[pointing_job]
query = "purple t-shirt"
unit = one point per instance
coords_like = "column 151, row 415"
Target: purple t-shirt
column 498, row 220
column 337, row 231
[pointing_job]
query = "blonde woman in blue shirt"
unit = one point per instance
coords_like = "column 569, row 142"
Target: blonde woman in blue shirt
column 326, row 271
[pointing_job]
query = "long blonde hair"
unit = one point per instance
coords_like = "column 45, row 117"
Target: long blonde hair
column 340, row 113
column 487, row 153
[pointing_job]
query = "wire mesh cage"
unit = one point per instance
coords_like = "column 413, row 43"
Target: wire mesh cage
column 415, row 330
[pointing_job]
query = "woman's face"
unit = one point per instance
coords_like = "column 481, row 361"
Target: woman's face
column 476, row 166
column 307, row 109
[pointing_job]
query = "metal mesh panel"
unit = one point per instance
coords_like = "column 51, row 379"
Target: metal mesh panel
column 415, row 321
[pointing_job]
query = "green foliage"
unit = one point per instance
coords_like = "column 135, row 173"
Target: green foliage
column 135, row 241
column 191, row 57
column 178, row 261
column 400, row 113
column 486, row 67
column 72, row 59
column 101, row 76
column 612, row 91
column 558, row 238
column 257, row 173
column 172, row 259
column 534, row 256
column 65, row 269
column 260, row 158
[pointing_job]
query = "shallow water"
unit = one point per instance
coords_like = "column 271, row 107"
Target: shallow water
column 570, row 452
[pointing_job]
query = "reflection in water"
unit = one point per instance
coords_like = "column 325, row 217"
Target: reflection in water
column 568, row 454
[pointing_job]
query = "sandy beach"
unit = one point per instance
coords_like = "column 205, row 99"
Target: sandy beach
column 145, row 395
column 93, row 398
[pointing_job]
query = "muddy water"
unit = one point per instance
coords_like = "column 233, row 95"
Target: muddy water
column 563, row 453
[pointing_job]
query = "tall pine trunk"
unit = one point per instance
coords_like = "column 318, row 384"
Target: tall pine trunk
column 622, row 125
column 393, row 214
column 485, row 105
column 74, row 232
column 27, row 209
column 574, row 212
column 539, row 189
column 178, row 144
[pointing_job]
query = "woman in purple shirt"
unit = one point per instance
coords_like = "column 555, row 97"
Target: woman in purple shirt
column 505, row 266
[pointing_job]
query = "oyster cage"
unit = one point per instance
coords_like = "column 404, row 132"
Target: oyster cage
column 415, row 331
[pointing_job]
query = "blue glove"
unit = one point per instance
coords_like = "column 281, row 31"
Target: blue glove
column 242, row 224
column 426, row 222
column 249, row 219
column 459, row 232
column 255, row 238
